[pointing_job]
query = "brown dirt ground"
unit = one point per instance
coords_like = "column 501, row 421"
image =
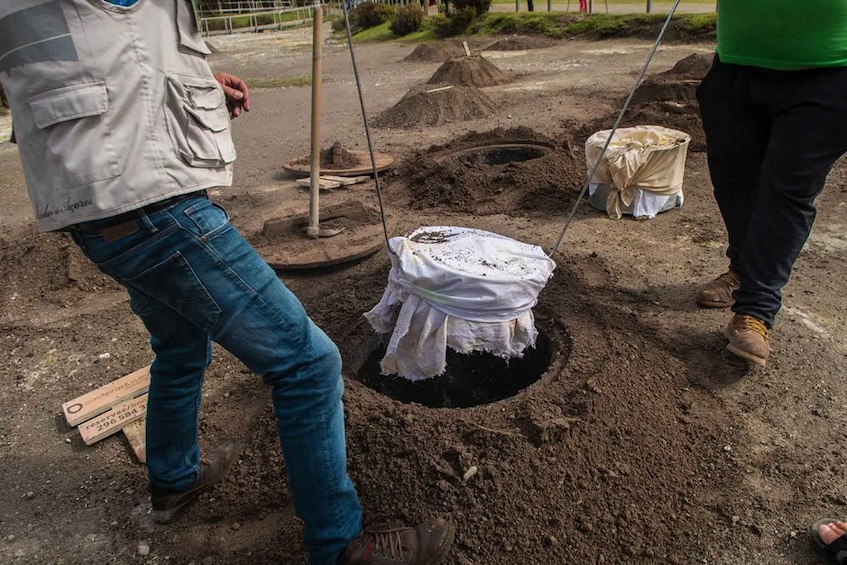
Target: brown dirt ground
column 642, row 442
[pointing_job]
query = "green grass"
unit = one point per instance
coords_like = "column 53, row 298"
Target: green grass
column 382, row 32
column 563, row 24
column 701, row 21
column 560, row 25
column 278, row 82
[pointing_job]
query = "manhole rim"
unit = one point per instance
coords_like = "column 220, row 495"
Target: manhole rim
column 444, row 154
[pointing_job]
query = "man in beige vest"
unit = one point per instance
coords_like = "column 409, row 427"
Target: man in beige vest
column 122, row 127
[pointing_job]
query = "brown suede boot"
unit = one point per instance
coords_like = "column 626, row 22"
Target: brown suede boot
column 718, row 293
column 169, row 504
column 748, row 338
column 425, row 544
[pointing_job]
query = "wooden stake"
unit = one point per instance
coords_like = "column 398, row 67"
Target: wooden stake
column 135, row 435
column 313, row 230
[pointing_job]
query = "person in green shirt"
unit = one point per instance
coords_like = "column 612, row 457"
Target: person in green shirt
column 774, row 108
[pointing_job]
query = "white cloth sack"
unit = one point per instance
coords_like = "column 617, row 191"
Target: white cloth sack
column 644, row 204
column 462, row 288
column 642, row 158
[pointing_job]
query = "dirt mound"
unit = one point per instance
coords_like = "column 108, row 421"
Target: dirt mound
column 54, row 271
column 520, row 43
column 694, row 66
column 677, row 86
column 433, row 105
column 494, row 172
column 604, row 447
column 334, row 157
column 670, row 99
column 436, row 52
column 469, row 71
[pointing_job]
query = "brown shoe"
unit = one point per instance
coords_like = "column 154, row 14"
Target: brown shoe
column 168, row 504
column 718, row 293
column 425, row 544
column 748, row 338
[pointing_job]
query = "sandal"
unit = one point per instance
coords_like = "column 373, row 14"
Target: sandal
column 836, row 549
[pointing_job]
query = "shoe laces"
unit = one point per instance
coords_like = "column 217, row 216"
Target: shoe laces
column 749, row 323
column 730, row 279
column 384, row 540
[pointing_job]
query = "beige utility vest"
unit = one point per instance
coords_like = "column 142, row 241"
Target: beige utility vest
column 113, row 108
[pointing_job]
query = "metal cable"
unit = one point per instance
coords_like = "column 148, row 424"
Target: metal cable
column 614, row 129
column 367, row 129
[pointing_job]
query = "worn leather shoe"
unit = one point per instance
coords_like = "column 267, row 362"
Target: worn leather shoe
column 748, row 338
column 425, row 544
column 168, row 504
column 718, row 293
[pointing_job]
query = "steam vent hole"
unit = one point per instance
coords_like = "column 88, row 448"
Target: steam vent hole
column 492, row 155
column 470, row 380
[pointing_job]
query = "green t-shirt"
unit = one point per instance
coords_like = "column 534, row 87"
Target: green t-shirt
column 783, row 34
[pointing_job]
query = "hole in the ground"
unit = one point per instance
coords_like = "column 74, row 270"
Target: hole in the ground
column 470, row 380
column 501, row 154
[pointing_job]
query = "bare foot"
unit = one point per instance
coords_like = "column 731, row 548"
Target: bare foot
column 831, row 532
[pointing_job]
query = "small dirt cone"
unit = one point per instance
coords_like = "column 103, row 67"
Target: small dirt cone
column 433, row 105
column 436, row 52
column 470, row 71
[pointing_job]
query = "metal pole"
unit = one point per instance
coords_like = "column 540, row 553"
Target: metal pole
column 649, row 6
column 314, row 230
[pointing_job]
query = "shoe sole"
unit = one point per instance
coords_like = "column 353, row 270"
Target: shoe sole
column 760, row 361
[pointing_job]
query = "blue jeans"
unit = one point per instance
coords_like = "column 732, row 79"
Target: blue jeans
column 192, row 279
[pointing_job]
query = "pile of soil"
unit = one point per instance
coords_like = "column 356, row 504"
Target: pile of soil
column 434, row 105
column 670, row 99
column 46, row 268
column 436, row 52
column 558, row 474
column 335, row 157
column 520, row 43
column 444, row 176
column 469, row 71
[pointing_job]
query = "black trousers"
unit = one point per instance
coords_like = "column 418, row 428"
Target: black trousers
column 772, row 137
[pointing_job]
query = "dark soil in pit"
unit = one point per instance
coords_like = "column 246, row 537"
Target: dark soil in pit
column 469, row 71
column 434, row 105
column 472, row 175
column 469, row 380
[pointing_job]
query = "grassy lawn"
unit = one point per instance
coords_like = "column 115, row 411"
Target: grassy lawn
column 563, row 24
column 278, row 82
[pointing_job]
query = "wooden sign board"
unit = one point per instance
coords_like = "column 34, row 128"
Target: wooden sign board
column 113, row 420
column 323, row 184
column 134, row 432
column 102, row 399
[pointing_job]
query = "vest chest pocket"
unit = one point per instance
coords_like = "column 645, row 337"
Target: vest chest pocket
column 198, row 121
column 74, row 128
